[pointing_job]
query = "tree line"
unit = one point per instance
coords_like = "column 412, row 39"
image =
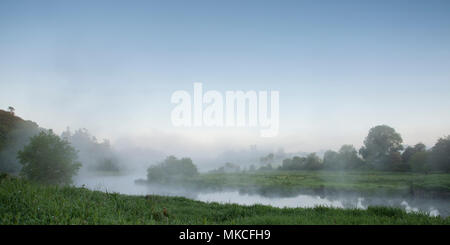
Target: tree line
column 382, row 150
column 52, row 159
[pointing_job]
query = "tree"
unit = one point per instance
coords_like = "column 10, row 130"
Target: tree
column 269, row 159
column 96, row 156
column 395, row 163
column 296, row 163
column 419, row 162
column 440, row 155
column 49, row 159
column 381, row 147
column 348, row 157
column 331, row 160
column 410, row 151
column 11, row 110
column 172, row 169
column 108, row 165
column 15, row 133
column 313, row 162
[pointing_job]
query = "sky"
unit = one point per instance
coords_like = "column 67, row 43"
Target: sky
column 341, row 67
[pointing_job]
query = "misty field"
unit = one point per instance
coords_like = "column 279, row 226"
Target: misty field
column 293, row 182
column 23, row 202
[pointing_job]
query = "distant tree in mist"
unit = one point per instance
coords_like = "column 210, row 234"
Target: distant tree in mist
column 382, row 147
column 227, row 168
column 410, row 151
column 332, row 160
column 14, row 135
column 313, row 162
column 414, row 158
column 347, row 158
column 49, row 159
column 310, row 162
column 295, row 163
column 172, row 169
column 440, row 155
column 266, row 160
column 419, row 162
column 96, row 156
column 108, row 165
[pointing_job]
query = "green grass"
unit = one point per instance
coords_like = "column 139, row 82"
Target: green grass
column 22, row 202
column 351, row 181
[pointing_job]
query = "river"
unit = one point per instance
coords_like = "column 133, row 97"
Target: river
column 124, row 184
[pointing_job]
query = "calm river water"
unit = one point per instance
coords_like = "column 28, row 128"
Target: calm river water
column 126, row 185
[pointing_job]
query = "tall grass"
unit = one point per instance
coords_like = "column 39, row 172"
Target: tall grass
column 22, row 202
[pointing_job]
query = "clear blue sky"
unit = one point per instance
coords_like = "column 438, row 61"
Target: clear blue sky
column 341, row 66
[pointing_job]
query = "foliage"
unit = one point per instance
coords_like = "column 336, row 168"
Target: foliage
column 26, row 203
column 419, row 162
column 296, row 163
column 108, row 165
column 331, row 160
column 440, row 155
column 410, row 151
column 381, row 147
column 346, row 159
column 313, row 162
column 14, row 134
column 227, row 168
column 96, row 156
column 172, row 169
column 267, row 160
column 49, row 159
column 291, row 182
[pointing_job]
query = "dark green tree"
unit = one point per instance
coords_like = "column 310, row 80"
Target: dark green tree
column 348, row 157
column 172, row 169
column 382, row 147
column 295, row 163
column 313, row 162
column 440, row 155
column 410, row 151
column 49, row 159
column 331, row 160
column 419, row 162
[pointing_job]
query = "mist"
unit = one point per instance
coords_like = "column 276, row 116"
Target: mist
column 131, row 162
column 359, row 107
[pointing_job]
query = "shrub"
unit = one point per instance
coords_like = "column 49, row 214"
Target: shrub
column 48, row 159
column 172, row 169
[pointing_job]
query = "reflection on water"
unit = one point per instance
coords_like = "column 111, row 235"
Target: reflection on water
column 112, row 183
column 347, row 201
column 247, row 199
column 126, row 185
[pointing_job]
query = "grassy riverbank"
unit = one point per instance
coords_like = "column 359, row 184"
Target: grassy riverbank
column 293, row 182
column 22, row 202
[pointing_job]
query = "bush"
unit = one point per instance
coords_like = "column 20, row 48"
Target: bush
column 48, row 159
column 440, row 155
column 172, row 169
column 108, row 165
column 419, row 162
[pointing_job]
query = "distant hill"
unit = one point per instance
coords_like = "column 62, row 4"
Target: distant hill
column 14, row 134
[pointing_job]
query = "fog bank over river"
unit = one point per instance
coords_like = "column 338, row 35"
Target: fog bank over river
column 124, row 184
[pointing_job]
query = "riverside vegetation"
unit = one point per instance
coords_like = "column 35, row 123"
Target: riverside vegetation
column 38, row 167
column 24, row 202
